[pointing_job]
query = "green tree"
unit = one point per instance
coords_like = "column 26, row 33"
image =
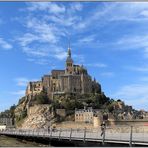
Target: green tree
column 41, row 98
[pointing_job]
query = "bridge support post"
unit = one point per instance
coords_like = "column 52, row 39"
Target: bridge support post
column 70, row 134
column 50, row 134
column 103, row 136
column 60, row 133
column 131, row 135
column 84, row 135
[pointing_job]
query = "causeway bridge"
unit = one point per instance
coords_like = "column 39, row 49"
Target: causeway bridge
column 120, row 135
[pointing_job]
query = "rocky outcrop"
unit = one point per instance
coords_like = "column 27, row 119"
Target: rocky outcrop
column 21, row 106
column 38, row 116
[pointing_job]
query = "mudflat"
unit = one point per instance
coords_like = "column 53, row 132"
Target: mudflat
column 14, row 142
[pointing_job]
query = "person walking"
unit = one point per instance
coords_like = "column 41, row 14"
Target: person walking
column 103, row 126
column 48, row 129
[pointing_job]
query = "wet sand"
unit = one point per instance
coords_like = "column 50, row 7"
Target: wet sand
column 13, row 142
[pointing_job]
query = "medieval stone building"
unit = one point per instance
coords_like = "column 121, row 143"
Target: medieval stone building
column 74, row 79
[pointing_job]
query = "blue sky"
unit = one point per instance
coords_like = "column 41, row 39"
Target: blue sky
column 110, row 39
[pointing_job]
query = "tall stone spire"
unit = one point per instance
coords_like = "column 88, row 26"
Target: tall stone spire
column 69, row 50
column 69, row 61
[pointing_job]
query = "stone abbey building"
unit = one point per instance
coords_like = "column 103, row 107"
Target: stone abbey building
column 74, row 79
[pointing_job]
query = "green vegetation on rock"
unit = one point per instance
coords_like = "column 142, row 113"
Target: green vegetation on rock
column 41, row 98
column 22, row 115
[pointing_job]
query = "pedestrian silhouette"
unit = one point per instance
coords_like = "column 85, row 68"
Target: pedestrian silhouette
column 103, row 126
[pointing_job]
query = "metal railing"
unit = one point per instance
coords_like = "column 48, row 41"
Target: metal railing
column 127, row 134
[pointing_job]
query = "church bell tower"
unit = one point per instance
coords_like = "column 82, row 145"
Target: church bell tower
column 69, row 62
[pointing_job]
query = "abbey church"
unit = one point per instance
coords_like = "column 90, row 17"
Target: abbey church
column 74, row 79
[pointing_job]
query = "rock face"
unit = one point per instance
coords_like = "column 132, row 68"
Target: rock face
column 38, row 116
column 21, row 106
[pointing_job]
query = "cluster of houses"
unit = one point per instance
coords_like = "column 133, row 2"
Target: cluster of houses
column 121, row 112
column 90, row 115
column 5, row 122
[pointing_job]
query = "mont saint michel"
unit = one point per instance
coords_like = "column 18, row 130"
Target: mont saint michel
column 65, row 91
column 69, row 102
column 73, row 80
column 73, row 77
column 69, row 98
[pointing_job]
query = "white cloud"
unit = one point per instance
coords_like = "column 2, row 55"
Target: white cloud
column 134, row 94
column 22, row 81
column 80, row 25
column 87, row 39
column 138, row 68
column 133, row 42
column 27, row 39
column 4, row 44
column 144, row 13
column 45, row 51
column 110, row 12
column 43, row 31
column 46, row 6
column 77, row 6
column 107, row 74
column 54, row 8
column 60, row 55
column 64, row 20
column 37, row 52
column 133, row 13
column 59, row 19
column 19, row 93
column 99, row 65
column 46, row 36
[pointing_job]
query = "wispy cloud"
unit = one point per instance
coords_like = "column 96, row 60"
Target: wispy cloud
column 22, row 81
column 134, row 13
column 27, row 38
column 87, row 39
column 60, row 55
column 99, row 65
column 18, row 93
column 77, row 6
column 46, row 51
column 37, row 52
column 144, row 13
column 107, row 74
column 133, row 42
column 43, row 6
column 5, row 45
column 42, row 30
column 46, row 37
column 138, row 68
column 59, row 19
column 134, row 94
